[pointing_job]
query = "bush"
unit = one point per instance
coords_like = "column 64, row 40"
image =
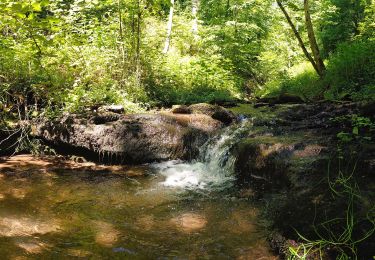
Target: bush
column 176, row 79
column 300, row 80
column 351, row 71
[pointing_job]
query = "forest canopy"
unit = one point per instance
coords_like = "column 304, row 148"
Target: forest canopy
column 64, row 55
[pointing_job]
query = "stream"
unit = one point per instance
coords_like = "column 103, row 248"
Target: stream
column 177, row 210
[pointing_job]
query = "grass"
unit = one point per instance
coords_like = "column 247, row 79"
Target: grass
column 341, row 235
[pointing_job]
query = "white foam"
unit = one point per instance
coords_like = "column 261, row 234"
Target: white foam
column 214, row 168
column 196, row 175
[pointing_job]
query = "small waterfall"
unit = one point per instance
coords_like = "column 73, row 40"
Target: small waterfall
column 214, row 167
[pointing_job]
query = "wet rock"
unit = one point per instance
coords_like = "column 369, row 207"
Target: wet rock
column 103, row 118
column 262, row 163
column 136, row 138
column 180, row 109
column 112, row 108
column 216, row 112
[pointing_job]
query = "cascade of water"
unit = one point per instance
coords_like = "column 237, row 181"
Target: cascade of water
column 214, row 167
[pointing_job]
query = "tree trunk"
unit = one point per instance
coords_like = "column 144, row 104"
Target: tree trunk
column 227, row 9
column 298, row 36
column 139, row 17
column 121, row 32
column 138, row 50
column 313, row 44
column 194, row 12
column 120, row 20
column 169, row 28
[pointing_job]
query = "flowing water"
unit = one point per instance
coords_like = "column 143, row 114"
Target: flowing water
column 176, row 211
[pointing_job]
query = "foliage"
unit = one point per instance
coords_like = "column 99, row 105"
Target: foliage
column 359, row 129
column 345, row 32
column 65, row 55
column 351, row 71
column 340, row 22
column 300, row 80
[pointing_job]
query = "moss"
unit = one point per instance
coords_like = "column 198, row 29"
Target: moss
column 285, row 140
column 264, row 112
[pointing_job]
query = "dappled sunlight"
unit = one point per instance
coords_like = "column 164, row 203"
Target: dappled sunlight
column 32, row 246
column 146, row 222
column 82, row 214
column 21, row 164
column 106, row 234
column 194, row 129
column 23, row 161
column 81, row 253
column 18, row 193
column 189, row 222
column 23, row 226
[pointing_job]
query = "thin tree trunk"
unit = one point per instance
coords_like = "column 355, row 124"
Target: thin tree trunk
column 194, row 12
column 298, row 36
column 312, row 39
column 227, row 9
column 138, row 49
column 121, row 33
column 120, row 20
column 169, row 28
column 139, row 14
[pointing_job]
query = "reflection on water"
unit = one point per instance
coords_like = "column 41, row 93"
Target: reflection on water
column 80, row 214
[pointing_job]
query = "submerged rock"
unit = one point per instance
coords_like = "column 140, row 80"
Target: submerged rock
column 136, row 138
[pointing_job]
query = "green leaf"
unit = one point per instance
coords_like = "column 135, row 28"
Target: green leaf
column 36, row 7
column 355, row 130
column 17, row 7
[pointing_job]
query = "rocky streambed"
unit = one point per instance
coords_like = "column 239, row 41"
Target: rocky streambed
column 280, row 159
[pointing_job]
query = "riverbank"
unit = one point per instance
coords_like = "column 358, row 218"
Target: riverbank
column 295, row 161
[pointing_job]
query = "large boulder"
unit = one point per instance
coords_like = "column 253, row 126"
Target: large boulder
column 269, row 164
column 216, row 112
column 136, row 138
column 180, row 109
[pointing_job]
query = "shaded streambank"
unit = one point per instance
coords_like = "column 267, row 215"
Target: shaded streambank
column 296, row 162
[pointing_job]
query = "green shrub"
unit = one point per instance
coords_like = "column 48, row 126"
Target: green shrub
column 188, row 79
column 351, row 71
column 304, row 82
column 300, row 80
